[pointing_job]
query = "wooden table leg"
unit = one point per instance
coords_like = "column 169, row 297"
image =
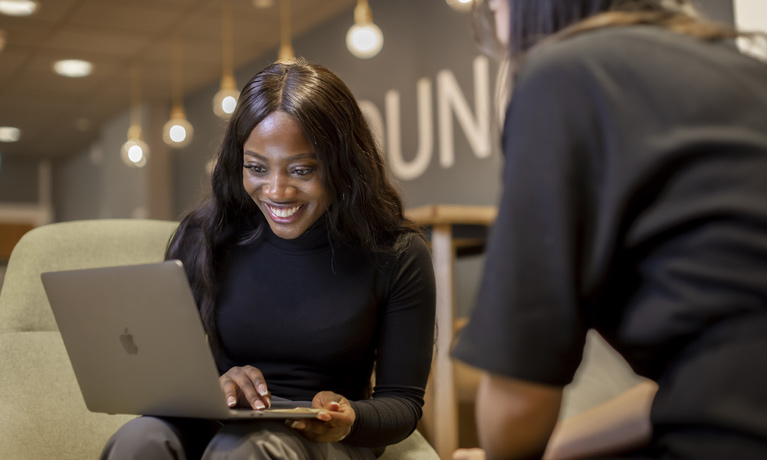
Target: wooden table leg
column 444, row 403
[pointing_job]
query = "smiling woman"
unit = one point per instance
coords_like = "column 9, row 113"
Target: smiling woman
column 307, row 275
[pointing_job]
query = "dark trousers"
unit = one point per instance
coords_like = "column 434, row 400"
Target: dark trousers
column 153, row 438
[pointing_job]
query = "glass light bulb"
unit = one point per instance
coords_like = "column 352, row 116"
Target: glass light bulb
column 134, row 153
column 177, row 132
column 224, row 102
column 229, row 104
column 364, row 40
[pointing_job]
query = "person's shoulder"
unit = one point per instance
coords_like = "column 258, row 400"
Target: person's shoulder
column 413, row 241
column 623, row 40
column 411, row 246
column 605, row 47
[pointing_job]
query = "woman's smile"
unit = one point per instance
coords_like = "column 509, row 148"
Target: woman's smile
column 282, row 213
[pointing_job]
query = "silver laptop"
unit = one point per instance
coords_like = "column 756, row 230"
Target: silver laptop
column 137, row 344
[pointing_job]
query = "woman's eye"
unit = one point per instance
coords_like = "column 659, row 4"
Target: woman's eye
column 303, row 171
column 254, row 168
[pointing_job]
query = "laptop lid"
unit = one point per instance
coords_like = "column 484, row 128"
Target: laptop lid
column 137, row 344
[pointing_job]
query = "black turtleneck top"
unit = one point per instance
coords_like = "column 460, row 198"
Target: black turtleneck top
column 314, row 314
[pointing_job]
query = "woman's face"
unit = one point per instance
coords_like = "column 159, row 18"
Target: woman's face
column 281, row 175
column 500, row 9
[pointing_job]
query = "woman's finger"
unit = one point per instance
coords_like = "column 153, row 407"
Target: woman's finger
column 259, row 383
column 246, row 382
column 230, row 390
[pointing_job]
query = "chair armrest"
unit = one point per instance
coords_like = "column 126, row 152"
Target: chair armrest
column 42, row 413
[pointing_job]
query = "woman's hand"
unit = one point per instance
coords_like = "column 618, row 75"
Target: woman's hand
column 245, row 386
column 331, row 425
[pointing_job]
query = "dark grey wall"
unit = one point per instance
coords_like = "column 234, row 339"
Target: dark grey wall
column 78, row 186
column 18, row 179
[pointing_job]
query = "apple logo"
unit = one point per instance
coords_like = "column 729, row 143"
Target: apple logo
column 126, row 339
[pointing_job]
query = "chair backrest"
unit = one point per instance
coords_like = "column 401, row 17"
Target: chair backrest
column 67, row 246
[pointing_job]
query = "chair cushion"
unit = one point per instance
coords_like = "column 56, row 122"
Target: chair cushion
column 415, row 447
column 72, row 245
column 42, row 413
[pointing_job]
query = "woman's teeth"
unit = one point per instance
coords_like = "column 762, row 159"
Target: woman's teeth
column 284, row 212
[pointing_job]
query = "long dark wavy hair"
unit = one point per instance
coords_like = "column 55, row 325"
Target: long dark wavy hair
column 365, row 210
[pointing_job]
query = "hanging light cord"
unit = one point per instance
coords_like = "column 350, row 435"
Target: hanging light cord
column 178, row 86
column 135, row 118
column 286, row 49
column 226, row 37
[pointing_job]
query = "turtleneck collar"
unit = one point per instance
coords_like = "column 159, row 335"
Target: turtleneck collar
column 314, row 239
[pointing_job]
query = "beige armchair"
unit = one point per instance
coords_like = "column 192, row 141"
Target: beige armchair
column 42, row 413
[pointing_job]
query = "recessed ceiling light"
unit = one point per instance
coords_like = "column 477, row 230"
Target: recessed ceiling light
column 19, row 7
column 263, row 3
column 9, row 134
column 73, row 68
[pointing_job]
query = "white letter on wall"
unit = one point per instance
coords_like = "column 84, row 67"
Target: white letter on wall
column 451, row 100
column 401, row 168
column 375, row 120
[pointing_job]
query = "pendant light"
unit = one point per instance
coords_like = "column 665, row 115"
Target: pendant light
column 286, row 49
column 364, row 38
column 135, row 151
column 177, row 131
column 225, row 100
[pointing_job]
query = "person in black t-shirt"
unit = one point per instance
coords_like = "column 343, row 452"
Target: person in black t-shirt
column 307, row 275
column 634, row 203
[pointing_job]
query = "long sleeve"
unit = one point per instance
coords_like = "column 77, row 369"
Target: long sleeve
column 404, row 352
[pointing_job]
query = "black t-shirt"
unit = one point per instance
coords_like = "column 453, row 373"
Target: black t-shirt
column 316, row 315
column 634, row 202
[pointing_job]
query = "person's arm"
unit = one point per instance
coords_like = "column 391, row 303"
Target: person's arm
column 620, row 424
column 515, row 418
column 404, row 351
column 529, row 324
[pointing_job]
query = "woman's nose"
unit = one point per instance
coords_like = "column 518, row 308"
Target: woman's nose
column 278, row 187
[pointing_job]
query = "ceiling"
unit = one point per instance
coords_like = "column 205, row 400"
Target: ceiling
column 60, row 116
